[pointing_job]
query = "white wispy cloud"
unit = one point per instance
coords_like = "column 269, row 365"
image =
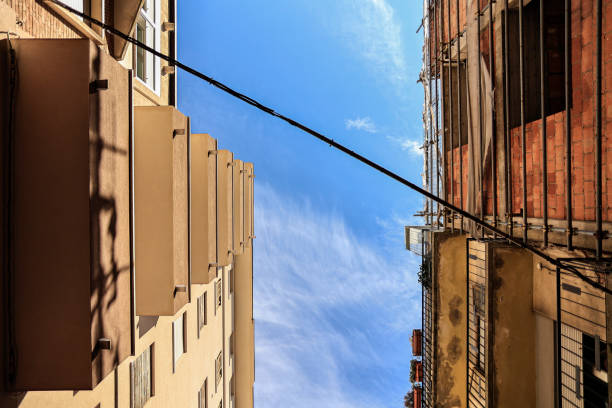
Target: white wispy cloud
column 375, row 34
column 358, row 123
column 325, row 303
column 412, row 146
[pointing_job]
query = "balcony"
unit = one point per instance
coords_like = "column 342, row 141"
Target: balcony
column 249, row 194
column 161, row 196
column 225, row 244
column 66, row 229
column 203, row 208
column 238, row 176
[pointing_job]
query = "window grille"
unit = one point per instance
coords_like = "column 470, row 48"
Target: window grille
column 218, row 294
column 179, row 338
column 218, row 369
column 203, row 395
column 141, row 379
column 202, row 315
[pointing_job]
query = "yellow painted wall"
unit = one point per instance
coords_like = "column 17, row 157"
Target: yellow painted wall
column 514, row 328
column 450, row 303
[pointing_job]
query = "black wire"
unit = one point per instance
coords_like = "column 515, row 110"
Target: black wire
column 336, row 145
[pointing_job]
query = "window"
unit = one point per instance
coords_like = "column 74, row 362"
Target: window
column 478, row 301
column 459, row 122
column 231, row 344
column 221, row 404
column 146, row 65
column 179, row 338
column 203, row 395
column 202, row 312
column 218, row 369
column 75, row 4
column 218, row 294
column 230, row 281
column 554, row 57
column 142, row 378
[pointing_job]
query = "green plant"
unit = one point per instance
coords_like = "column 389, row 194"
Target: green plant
column 409, row 399
column 424, row 273
column 413, row 369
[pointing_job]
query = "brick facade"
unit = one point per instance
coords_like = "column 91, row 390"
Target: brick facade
column 39, row 21
column 583, row 57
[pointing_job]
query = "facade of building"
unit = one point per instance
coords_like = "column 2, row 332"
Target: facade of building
column 517, row 126
column 127, row 240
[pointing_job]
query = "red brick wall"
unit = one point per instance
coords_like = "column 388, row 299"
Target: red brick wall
column 583, row 131
column 456, row 176
column 39, row 21
column 583, row 135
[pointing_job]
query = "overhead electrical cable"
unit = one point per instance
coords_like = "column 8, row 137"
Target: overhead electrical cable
column 342, row 148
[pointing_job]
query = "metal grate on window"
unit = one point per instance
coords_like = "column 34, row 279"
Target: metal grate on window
column 218, row 294
column 202, row 315
column 203, row 395
column 218, row 369
column 141, row 379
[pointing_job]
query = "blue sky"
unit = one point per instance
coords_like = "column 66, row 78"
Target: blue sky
column 335, row 292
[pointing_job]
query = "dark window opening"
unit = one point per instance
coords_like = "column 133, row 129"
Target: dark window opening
column 454, row 107
column 478, row 305
column 595, row 370
column 554, row 57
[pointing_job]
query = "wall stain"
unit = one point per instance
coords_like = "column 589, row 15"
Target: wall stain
column 454, row 313
column 454, row 350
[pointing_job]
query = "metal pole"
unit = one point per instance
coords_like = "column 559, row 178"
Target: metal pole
column 450, row 119
column 523, row 135
column 441, row 107
column 459, row 116
column 507, row 135
column 568, row 128
column 482, row 183
column 437, row 30
column 543, row 112
column 558, row 348
column 598, row 186
column 493, row 133
column 429, row 79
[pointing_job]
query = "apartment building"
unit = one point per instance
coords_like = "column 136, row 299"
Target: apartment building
column 517, row 125
column 127, row 239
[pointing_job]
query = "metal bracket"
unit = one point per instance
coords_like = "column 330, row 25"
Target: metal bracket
column 168, row 69
column 98, row 84
column 104, row 343
column 603, row 234
column 167, row 26
column 212, row 152
column 177, row 132
column 180, row 288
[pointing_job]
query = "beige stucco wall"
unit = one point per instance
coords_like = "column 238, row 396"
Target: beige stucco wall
column 514, row 328
column 178, row 389
column 143, row 95
column 450, row 305
column 244, row 332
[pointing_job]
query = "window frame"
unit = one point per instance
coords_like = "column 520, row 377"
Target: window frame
column 151, row 350
column 183, row 331
column 155, row 22
column 203, row 392
column 202, row 311
column 218, row 369
column 218, row 294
